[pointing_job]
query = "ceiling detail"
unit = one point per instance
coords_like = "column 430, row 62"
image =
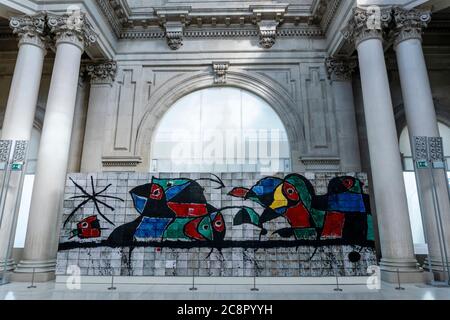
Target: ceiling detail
column 136, row 19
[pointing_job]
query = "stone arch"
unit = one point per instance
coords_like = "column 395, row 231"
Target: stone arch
column 275, row 95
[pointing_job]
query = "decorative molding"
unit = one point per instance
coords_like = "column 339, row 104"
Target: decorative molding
column 73, row 28
column 268, row 18
column 102, row 73
column 173, row 21
column 367, row 24
column 118, row 161
column 409, row 24
column 321, row 163
column 340, row 69
column 31, row 29
column 220, row 72
column 302, row 21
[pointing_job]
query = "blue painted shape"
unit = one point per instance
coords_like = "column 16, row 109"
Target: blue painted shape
column 266, row 185
column 173, row 191
column 139, row 203
column 346, row 202
column 151, row 228
column 281, row 210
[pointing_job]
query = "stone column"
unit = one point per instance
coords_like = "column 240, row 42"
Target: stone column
column 340, row 73
column 72, row 36
column 421, row 120
column 102, row 78
column 389, row 189
column 20, row 112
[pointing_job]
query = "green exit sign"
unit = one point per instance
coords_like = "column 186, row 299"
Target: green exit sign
column 422, row 164
column 17, row 166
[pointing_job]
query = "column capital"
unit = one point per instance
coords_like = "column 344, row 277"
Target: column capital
column 340, row 69
column 409, row 24
column 102, row 73
column 72, row 28
column 367, row 23
column 31, row 29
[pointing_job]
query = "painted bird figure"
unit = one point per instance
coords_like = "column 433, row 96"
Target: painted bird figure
column 172, row 209
column 88, row 228
column 290, row 198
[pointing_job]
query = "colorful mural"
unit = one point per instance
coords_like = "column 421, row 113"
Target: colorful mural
column 180, row 213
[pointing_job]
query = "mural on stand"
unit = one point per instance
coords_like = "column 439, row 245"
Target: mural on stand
column 176, row 214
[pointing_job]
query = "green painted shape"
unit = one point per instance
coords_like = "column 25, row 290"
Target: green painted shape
column 205, row 228
column 318, row 217
column 175, row 230
column 357, row 187
column 370, row 231
column 254, row 216
column 305, row 234
column 167, row 183
column 300, row 186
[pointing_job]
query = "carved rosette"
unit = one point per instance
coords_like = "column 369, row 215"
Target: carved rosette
column 340, row 69
column 365, row 24
column 30, row 29
column 73, row 28
column 409, row 24
column 102, row 73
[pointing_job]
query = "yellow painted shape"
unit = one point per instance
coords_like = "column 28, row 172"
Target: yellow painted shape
column 279, row 200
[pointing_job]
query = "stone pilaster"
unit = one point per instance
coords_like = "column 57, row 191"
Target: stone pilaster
column 340, row 71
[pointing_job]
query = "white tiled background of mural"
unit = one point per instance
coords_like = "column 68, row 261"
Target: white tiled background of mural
column 154, row 261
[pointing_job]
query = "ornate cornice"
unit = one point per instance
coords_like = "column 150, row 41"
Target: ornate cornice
column 102, row 73
column 409, row 24
column 365, row 24
column 73, row 28
column 202, row 22
column 340, row 69
column 31, row 29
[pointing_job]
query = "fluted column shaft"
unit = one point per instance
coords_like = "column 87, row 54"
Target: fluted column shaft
column 20, row 112
column 43, row 226
column 389, row 189
column 422, row 121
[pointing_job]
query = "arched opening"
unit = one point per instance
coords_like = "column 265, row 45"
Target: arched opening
column 224, row 129
column 410, row 183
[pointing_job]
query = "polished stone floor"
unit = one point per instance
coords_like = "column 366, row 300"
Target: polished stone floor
column 52, row 291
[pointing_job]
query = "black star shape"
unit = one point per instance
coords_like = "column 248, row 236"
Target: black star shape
column 94, row 197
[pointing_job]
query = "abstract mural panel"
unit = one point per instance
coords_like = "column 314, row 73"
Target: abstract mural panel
column 228, row 224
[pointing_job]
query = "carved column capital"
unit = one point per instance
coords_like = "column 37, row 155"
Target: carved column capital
column 72, row 28
column 409, row 24
column 30, row 29
column 340, row 69
column 367, row 24
column 102, row 73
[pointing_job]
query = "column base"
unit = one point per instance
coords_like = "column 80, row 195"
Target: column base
column 437, row 269
column 43, row 271
column 408, row 270
column 10, row 265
